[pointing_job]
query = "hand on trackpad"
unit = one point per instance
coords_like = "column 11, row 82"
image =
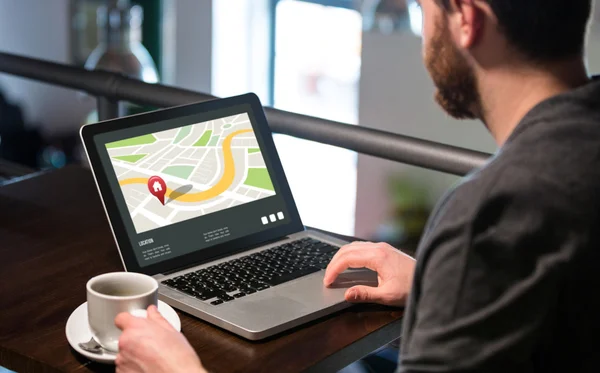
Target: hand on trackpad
column 353, row 277
column 389, row 286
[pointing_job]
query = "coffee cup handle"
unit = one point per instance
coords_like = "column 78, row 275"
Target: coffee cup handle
column 139, row 313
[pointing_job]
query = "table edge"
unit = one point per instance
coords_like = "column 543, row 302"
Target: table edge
column 341, row 358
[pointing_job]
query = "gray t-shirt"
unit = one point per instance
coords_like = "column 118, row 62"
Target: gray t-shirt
column 508, row 270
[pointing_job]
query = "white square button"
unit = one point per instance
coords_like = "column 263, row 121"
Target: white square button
column 272, row 217
column 280, row 215
column 265, row 221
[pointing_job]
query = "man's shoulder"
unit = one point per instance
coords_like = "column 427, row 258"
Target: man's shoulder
column 550, row 166
column 499, row 183
column 556, row 147
column 505, row 183
column 561, row 133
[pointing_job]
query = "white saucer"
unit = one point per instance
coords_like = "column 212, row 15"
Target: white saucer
column 78, row 330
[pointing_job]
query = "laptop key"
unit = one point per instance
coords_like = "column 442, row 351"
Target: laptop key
column 226, row 298
column 322, row 265
column 326, row 249
column 255, row 284
column 216, row 302
column 293, row 275
column 191, row 292
column 208, row 292
column 231, row 288
column 239, row 295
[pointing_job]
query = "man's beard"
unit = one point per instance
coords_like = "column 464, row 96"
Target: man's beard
column 455, row 81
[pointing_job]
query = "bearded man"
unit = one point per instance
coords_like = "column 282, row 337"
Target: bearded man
column 506, row 271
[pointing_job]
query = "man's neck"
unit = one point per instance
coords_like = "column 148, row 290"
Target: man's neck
column 507, row 95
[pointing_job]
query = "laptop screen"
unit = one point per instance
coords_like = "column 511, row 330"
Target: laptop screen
column 190, row 183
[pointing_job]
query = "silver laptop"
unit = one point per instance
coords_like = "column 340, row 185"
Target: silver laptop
column 197, row 198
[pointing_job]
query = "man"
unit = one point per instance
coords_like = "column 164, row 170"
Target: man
column 507, row 269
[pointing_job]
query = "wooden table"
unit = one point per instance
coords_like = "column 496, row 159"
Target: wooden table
column 54, row 236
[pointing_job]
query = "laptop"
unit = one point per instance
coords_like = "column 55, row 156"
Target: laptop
column 196, row 197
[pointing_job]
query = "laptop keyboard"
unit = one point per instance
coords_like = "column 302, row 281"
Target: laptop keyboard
column 237, row 278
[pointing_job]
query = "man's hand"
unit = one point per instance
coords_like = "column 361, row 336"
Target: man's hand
column 394, row 272
column 152, row 345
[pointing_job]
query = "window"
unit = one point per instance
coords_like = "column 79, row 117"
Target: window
column 303, row 57
column 316, row 70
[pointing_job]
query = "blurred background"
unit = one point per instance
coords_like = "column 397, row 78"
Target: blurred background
column 353, row 61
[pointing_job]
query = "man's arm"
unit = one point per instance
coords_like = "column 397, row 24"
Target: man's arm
column 152, row 345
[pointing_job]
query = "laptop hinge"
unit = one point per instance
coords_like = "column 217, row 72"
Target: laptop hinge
column 224, row 255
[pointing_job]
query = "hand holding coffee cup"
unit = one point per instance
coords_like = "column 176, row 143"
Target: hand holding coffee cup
column 112, row 293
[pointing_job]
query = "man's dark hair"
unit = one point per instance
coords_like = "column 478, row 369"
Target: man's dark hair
column 543, row 30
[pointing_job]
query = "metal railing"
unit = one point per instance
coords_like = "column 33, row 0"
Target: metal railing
column 10, row 169
column 110, row 88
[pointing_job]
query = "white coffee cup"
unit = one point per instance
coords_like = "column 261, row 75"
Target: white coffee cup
column 112, row 293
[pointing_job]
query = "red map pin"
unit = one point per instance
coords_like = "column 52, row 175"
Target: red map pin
column 158, row 188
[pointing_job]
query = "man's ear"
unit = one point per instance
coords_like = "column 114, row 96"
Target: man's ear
column 467, row 17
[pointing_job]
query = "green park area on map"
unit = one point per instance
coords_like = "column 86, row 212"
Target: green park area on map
column 140, row 140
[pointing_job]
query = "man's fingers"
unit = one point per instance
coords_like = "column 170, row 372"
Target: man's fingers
column 349, row 259
column 364, row 294
column 357, row 243
column 125, row 320
column 155, row 316
column 119, row 360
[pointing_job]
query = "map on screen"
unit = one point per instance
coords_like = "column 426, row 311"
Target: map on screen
column 197, row 169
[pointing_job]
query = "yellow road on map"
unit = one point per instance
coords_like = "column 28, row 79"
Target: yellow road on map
column 221, row 186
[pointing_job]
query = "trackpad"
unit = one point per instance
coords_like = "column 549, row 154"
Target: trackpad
column 273, row 307
column 355, row 277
